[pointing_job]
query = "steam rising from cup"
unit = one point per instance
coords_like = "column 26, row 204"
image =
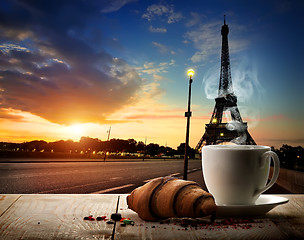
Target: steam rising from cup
column 246, row 87
column 240, row 128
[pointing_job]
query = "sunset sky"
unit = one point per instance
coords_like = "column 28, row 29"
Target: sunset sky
column 74, row 68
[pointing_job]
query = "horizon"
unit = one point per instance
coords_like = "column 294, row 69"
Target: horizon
column 72, row 68
column 75, row 141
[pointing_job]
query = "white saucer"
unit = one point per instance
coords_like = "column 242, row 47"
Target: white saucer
column 263, row 204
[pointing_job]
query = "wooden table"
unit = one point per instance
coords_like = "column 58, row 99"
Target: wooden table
column 56, row 216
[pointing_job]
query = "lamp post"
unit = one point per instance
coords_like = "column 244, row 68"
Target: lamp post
column 109, row 131
column 188, row 114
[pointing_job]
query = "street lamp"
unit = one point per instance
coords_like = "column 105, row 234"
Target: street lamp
column 109, row 131
column 190, row 73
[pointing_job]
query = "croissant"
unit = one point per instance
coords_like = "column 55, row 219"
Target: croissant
column 167, row 197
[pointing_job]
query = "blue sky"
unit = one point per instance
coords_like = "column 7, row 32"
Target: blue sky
column 88, row 65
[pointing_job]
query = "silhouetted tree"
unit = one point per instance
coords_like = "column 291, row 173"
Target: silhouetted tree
column 152, row 149
column 88, row 144
column 181, row 150
column 140, row 147
column 291, row 157
column 131, row 146
column 36, row 145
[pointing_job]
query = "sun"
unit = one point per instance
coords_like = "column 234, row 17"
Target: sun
column 76, row 130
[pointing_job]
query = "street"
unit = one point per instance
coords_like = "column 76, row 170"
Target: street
column 86, row 177
column 76, row 176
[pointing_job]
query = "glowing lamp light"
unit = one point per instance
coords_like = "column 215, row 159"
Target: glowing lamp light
column 221, row 134
column 190, row 73
column 214, row 120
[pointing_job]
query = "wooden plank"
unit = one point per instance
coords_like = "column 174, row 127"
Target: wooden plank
column 58, row 217
column 289, row 217
column 259, row 228
column 6, row 201
column 290, row 210
column 146, row 230
column 61, row 217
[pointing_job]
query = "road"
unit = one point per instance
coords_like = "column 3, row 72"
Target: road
column 68, row 176
column 86, row 177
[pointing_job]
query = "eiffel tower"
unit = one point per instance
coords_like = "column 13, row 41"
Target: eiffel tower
column 235, row 131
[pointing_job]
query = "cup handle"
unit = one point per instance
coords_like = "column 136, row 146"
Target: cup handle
column 276, row 170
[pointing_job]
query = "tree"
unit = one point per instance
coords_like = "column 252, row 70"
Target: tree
column 35, row 145
column 131, row 145
column 291, row 157
column 152, row 149
column 140, row 147
column 181, row 150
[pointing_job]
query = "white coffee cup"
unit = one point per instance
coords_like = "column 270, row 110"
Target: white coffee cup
column 237, row 174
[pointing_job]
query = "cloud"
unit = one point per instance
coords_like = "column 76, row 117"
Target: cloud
column 162, row 48
column 151, row 88
column 157, row 77
column 273, row 118
column 152, row 68
column 158, row 30
column 155, row 116
column 7, row 115
column 195, row 19
column 19, row 116
column 207, row 40
column 163, row 12
column 114, row 5
column 50, row 69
